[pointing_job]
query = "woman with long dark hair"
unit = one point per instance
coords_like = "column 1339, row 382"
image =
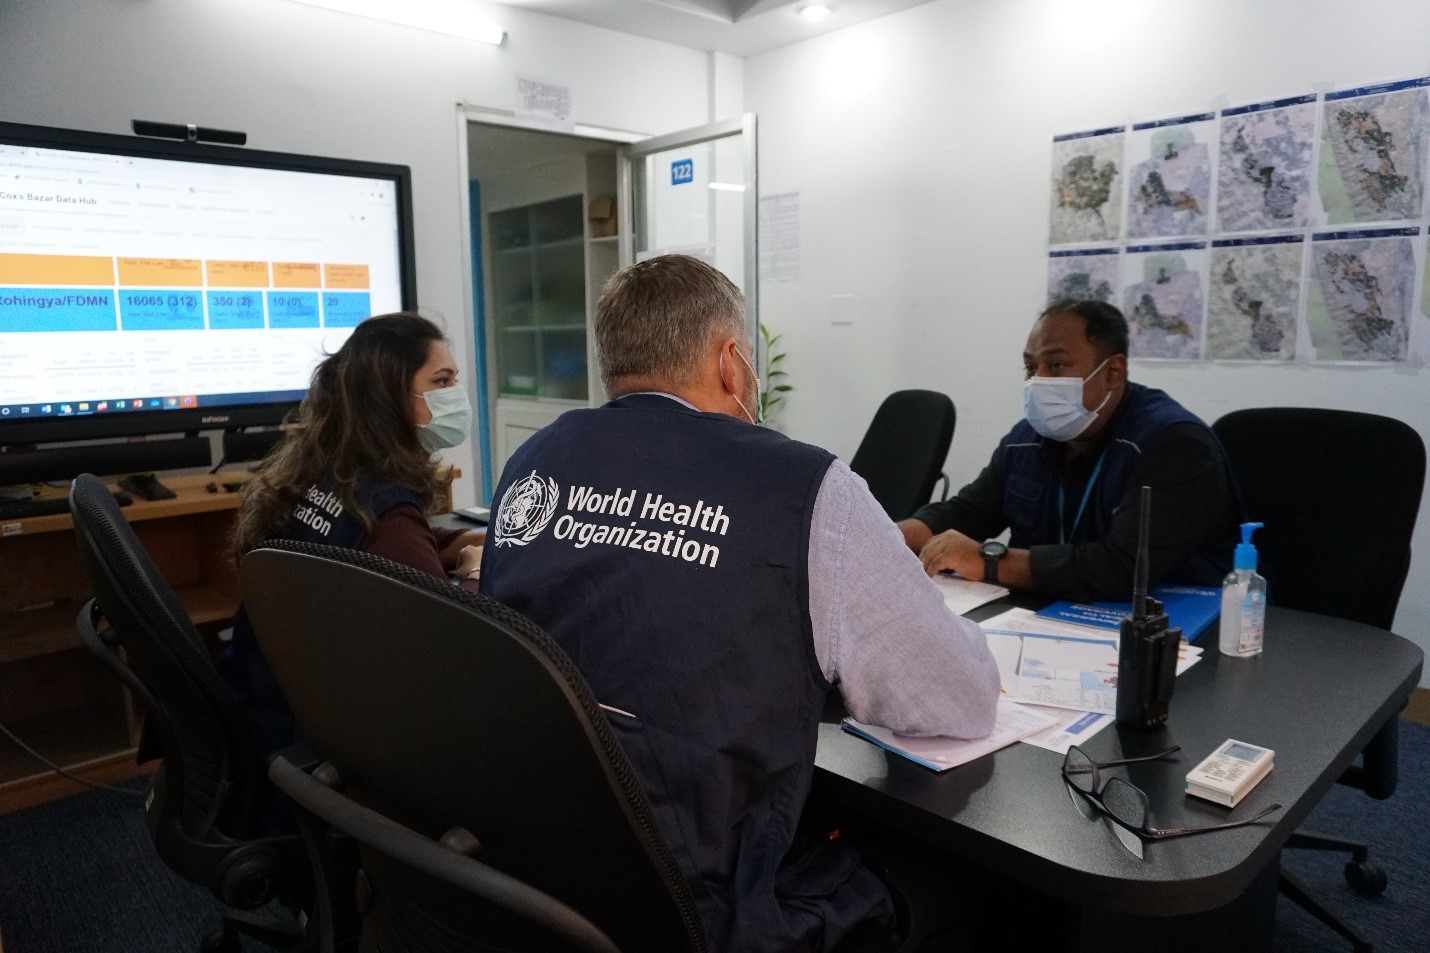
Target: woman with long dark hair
column 355, row 469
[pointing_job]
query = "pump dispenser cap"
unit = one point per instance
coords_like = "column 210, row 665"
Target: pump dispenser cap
column 1245, row 552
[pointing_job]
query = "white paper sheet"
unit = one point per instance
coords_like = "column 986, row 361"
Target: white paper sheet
column 1015, row 722
column 964, row 595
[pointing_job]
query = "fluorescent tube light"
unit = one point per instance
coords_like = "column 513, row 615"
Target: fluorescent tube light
column 727, row 186
column 451, row 17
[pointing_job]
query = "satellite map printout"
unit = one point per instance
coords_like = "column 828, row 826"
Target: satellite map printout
column 1083, row 274
column 1373, row 144
column 1264, row 170
column 1360, row 294
column 1086, row 200
column 1169, row 183
column 1255, row 298
column 1162, row 299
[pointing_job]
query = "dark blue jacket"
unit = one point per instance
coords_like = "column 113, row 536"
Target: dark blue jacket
column 665, row 550
column 1032, row 476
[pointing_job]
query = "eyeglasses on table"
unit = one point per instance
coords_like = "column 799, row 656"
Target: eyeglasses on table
column 1126, row 803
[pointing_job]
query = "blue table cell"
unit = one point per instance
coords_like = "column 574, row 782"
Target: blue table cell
column 344, row 309
column 235, row 310
column 292, row 309
column 160, row 309
column 56, row 309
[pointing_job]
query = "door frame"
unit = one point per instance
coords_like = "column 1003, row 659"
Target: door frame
column 745, row 125
column 468, row 239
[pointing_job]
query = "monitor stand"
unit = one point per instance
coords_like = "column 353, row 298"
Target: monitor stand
column 146, row 486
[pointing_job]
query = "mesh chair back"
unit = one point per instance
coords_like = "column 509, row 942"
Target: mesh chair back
column 1339, row 492
column 442, row 709
column 904, row 449
column 212, row 775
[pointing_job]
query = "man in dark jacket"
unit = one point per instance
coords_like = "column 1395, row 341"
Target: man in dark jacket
column 1066, row 480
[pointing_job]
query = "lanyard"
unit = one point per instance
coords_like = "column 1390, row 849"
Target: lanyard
column 1087, row 492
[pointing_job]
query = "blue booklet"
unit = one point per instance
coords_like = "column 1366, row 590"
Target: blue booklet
column 1191, row 607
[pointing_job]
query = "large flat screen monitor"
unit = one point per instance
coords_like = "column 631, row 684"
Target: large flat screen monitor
column 149, row 286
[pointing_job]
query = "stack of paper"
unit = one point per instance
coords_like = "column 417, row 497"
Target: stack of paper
column 1055, row 665
column 1015, row 722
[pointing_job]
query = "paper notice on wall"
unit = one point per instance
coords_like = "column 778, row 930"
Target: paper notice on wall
column 542, row 102
column 779, row 237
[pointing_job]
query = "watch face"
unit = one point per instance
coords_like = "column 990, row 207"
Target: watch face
column 993, row 548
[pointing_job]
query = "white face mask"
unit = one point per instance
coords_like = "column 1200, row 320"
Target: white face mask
column 759, row 406
column 451, row 421
column 1054, row 408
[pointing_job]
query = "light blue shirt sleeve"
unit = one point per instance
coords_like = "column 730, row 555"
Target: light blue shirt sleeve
column 882, row 632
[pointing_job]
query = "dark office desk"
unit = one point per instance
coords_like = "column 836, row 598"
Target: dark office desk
column 1316, row 695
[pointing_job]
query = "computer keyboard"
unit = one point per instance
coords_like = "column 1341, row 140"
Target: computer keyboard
column 19, row 509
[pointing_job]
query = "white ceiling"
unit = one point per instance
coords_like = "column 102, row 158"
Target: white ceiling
column 739, row 27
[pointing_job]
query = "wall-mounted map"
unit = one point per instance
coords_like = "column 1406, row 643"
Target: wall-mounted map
column 1373, row 144
column 1264, row 174
column 1360, row 294
column 1316, row 248
column 1162, row 299
column 1255, row 298
column 1084, row 274
column 1086, row 197
column 1169, row 182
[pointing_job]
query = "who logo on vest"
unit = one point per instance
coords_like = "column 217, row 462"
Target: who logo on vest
column 526, row 507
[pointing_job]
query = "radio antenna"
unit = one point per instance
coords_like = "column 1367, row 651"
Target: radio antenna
column 1139, row 583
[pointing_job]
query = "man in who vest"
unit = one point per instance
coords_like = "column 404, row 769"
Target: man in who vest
column 1066, row 479
column 712, row 580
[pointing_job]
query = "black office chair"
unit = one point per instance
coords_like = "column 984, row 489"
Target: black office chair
column 459, row 746
column 1339, row 493
column 902, row 454
column 203, row 801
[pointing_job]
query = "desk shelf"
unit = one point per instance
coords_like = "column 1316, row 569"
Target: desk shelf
column 52, row 694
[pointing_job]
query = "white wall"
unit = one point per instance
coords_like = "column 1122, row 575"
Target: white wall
column 920, row 145
column 301, row 79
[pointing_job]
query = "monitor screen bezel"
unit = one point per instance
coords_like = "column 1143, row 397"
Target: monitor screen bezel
column 211, row 417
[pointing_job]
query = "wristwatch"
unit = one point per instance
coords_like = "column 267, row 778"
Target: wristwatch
column 991, row 551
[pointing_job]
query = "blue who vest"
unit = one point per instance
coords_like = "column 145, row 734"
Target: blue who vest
column 1032, row 476
column 665, row 551
column 317, row 518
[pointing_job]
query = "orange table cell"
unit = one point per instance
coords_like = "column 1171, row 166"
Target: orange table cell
column 237, row 274
column 293, row 274
column 56, row 270
column 161, row 272
column 345, row 276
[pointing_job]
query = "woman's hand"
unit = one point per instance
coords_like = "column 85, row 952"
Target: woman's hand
column 452, row 552
column 469, row 562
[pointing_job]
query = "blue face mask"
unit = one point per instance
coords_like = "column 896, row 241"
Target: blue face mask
column 451, row 421
column 1053, row 405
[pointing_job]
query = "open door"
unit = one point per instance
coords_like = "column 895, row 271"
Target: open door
column 696, row 192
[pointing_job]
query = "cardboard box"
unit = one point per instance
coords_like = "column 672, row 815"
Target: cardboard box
column 603, row 217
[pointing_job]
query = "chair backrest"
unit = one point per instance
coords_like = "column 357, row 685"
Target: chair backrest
column 440, row 709
column 904, row 449
column 212, row 778
column 1339, row 492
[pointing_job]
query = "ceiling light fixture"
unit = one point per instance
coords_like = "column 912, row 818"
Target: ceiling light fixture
column 452, row 17
column 814, row 12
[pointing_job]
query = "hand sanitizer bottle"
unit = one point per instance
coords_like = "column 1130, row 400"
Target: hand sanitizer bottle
column 1243, row 601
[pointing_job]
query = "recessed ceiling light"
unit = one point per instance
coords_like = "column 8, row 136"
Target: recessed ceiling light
column 814, row 12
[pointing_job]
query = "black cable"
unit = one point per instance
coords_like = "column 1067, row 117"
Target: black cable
column 61, row 771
